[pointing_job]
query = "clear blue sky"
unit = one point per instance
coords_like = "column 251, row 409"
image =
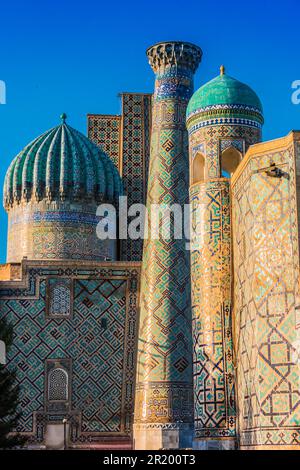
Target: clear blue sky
column 75, row 57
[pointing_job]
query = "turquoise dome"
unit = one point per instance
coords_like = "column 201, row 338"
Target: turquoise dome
column 224, row 91
column 61, row 164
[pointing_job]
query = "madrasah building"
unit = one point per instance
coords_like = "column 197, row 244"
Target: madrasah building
column 151, row 345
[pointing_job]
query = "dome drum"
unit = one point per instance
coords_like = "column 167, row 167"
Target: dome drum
column 56, row 230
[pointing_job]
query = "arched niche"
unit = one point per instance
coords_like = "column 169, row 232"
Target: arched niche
column 198, row 168
column 230, row 160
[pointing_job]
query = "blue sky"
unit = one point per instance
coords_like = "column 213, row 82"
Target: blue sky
column 75, row 57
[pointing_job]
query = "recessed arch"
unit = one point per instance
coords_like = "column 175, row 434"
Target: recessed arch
column 230, row 160
column 198, row 168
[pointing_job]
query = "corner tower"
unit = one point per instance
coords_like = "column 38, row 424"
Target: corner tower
column 163, row 408
column 224, row 117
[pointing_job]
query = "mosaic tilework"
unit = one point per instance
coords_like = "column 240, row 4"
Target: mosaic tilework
column 61, row 164
column 136, row 125
column 102, row 351
column 266, row 281
column 225, row 121
column 174, row 83
column 54, row 369
column 218, row 108
column 60, row 297
column 213, row 131
column 103, row 354
column 105, row 132
column 164, row 377
column 214, row 400
column 51, row 192
column 235, row 143
column 214, row 136
column 166, row 270
column 126, row 139
column 59, row 231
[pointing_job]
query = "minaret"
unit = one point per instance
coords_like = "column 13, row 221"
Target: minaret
column 164, row 396
column 224, row 117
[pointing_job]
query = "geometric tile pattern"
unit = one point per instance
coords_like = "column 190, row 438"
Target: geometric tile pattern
column 59, row 297
column 136, row 130
column 52, row 190
column 165, row 319
column 98, row 371
column 105, row 132
column 67, row 232
column 213, row 137
column 266, row 267
column 214, row 399
column 102, row 352
column 126, row 140
column 58, row 385
column 164, row 377
column 235, row 143
column 211, row 105
column 214, row 374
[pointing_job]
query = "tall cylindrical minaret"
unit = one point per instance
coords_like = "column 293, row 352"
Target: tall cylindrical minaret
column 164, row 403
column 224, row 117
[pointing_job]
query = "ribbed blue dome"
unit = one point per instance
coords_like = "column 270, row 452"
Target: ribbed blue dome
column 61, row 164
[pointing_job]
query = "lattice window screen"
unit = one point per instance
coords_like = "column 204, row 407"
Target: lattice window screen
column 60, row 299
column 58, row 385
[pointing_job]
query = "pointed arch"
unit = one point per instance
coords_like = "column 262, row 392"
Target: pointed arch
column 230, row 160
column 198, row 168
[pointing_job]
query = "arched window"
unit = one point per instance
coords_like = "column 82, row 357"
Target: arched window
column 60, row 298
column 198, row 169
column 58, row 385
column 230, row 160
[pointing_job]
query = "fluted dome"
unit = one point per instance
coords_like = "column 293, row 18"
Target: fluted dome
column 62, row 164
column 228, row 97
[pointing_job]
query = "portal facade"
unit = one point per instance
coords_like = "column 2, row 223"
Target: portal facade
column 178, row 343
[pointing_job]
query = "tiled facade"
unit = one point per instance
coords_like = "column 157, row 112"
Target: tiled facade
column 126, row 139
column 266, row 296
column 211, row 257
column 214, row 140
column 198, row 345
column 58, row 230
column 105, row 131
column 94, row 342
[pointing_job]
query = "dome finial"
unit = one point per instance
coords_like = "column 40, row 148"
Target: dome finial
column 63, row 117
column 222, row 70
